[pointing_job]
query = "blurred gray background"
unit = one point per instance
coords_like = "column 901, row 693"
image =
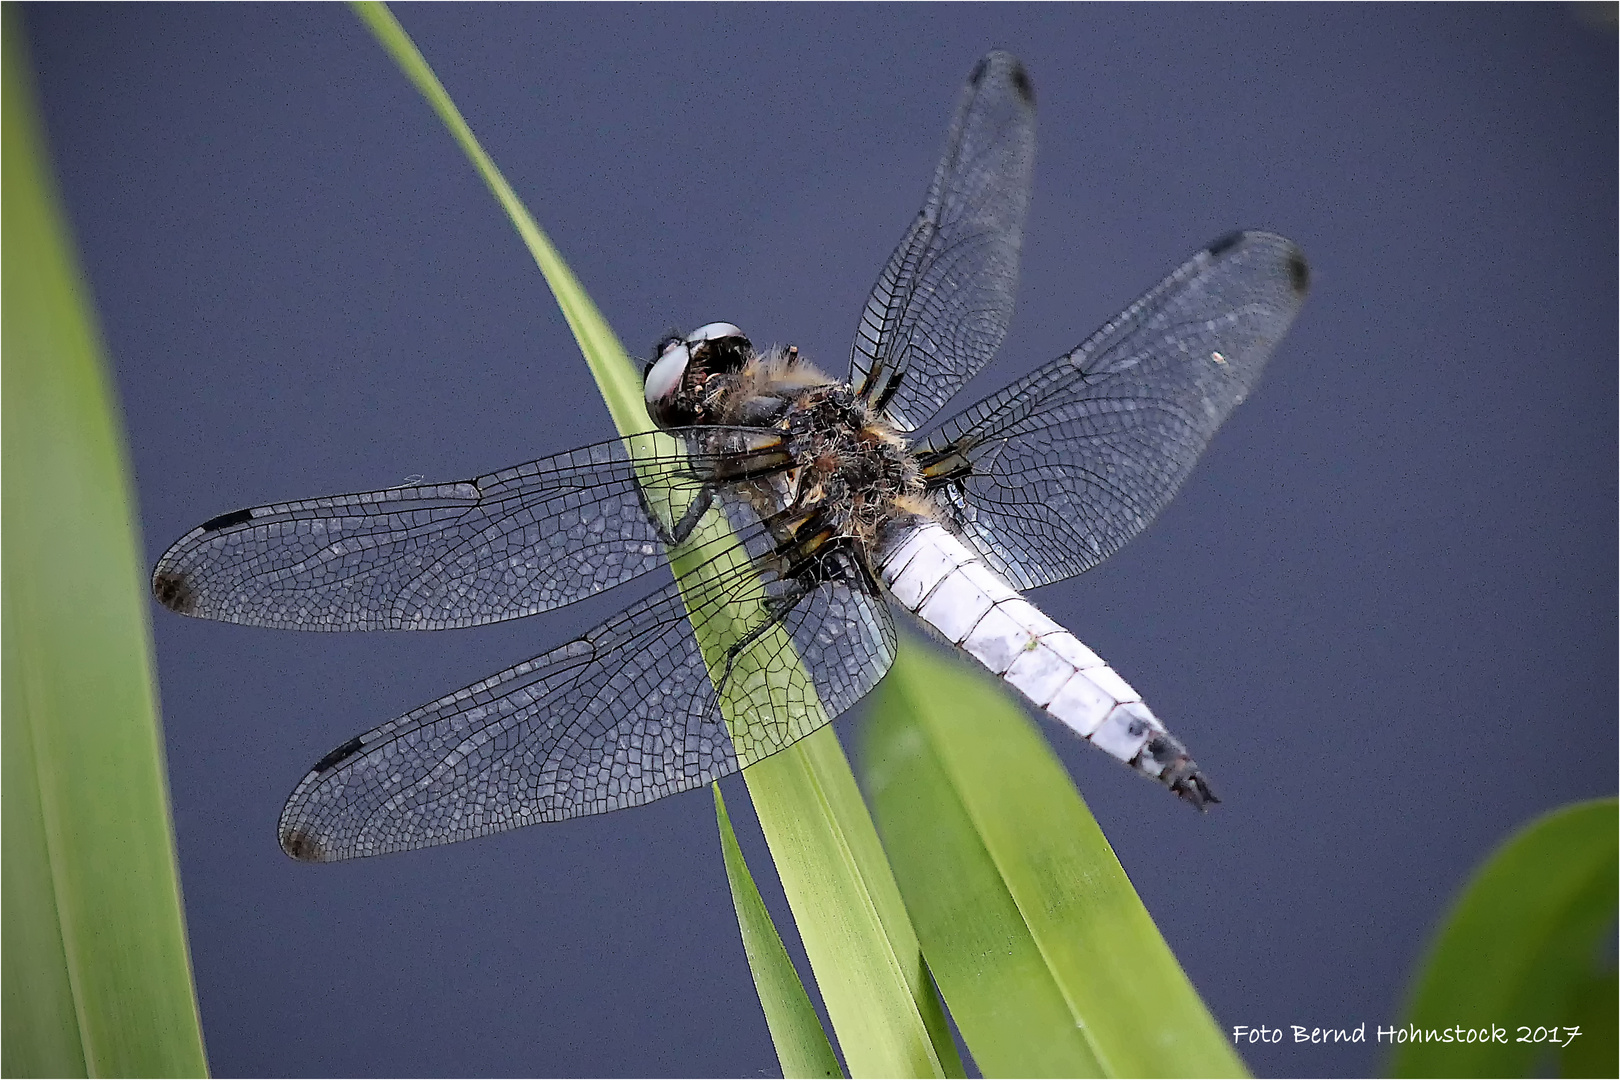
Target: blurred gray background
column 1382, row 612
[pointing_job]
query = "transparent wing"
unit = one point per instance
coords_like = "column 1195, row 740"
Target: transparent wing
column 626, row 714
column 433, row 556
column 940, row 308
column 1056, row 472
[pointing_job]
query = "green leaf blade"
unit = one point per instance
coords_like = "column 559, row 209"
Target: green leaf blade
column 1520, row 946
column 1011, row 1011
column 867, row 963
column 981, row 818
column 97, row 977
column 1594, row 1006
column 802, row 1046
column 609, row 363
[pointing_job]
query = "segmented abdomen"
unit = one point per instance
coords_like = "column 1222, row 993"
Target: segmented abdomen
column 934, row 575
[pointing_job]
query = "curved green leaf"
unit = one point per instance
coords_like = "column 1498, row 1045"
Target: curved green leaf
column 1047, row 959
column 1594, row 1005
column 802, row 1046
column 97, row 979
column 856, row 932
column 1522, row 946
column 603, row 352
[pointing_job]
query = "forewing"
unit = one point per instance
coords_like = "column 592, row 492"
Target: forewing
column 1059, row 470
column 624, row 715
column 434, row 556
column 940, row 308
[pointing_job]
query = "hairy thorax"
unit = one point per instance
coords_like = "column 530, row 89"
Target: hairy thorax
column 852, row 471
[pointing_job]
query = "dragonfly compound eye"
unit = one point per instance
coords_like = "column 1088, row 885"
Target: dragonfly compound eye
column 719, row 347
column 714, row 332
column 658, row 351
column 665, row 375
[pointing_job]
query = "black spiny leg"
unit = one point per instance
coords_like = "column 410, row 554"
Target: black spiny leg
column 865, row 574
column 683, row 528
column 767, row 461
column 815, row 570
column 887, row 395
column 776, row 608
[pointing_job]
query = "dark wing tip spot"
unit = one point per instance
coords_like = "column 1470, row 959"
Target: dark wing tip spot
column 225, row 521
column 1225, row 243
column 1299, row 274
column 174, row 591
column 1022, row 83
column 347, row 750
column 1016, row 73
column 302, row 845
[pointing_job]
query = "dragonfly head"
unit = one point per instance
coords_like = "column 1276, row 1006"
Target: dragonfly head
column 673, row 382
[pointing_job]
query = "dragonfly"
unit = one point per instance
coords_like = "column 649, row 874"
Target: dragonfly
column 794, row 510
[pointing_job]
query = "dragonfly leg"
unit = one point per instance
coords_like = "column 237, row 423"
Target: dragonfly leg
column 887, row 395
column 834, row 565
column 776, row 608
column 766, row 461
column 694, row 513
column 864, row 573
column 682, row 529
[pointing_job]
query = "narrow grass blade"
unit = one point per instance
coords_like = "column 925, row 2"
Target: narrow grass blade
column 888, row 1019
column 1528, row 942
column 603, row 352
column 802, row 1046
column 856, row 932
column 97, row 979
column 1029, row 923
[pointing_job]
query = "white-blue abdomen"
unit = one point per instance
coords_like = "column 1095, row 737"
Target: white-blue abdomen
column 934, row 575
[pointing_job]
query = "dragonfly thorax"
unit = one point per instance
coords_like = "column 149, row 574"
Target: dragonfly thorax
column 854, row 470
